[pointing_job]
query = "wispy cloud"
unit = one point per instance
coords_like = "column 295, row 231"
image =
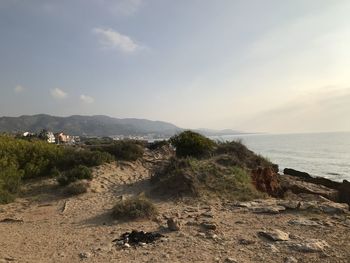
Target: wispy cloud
column 58, row 93
column 18, row 89
column 111, row 39
column 87, row 99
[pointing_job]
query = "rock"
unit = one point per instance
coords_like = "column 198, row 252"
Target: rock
column 310, row 246
column 344, row 192
column 315, row 180
column 213, row 236
column 298, row 187
column 334, row 208
column 84, row 255
column 289, row 204
column 208, row 226
column 201, row 234
column 272, row 248
column 275, row 235
column 207, row 214
column 230, row 260
column 303, row 222
column 266, row 180
column 290, row 260
column 119, row 242
column 243, row 241
column 126, row 245
column 173, row 224
column 268, row 209
column 296, row 173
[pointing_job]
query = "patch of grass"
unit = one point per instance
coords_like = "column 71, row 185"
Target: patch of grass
column 134, row 208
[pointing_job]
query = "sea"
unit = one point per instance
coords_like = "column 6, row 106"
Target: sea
column 319, row 154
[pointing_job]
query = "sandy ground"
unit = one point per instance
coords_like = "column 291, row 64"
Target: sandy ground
column 85, row 230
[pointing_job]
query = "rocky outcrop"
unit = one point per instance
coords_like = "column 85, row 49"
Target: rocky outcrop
column 275, row 206
column 266, row 180
column 342, row 189
column 308, row 178
column 344, row 192
column 299, row 187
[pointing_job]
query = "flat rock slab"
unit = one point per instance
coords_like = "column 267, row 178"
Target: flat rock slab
column 309, row 246
column 303, row 222
column 268, row 209
column 275, row 206
column 274, row 235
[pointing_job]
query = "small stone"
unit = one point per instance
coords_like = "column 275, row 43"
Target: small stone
column 126, row 245
column 201, row 234
column 173, row 224
column 142, row 244
column 243, row 241
column 230, row 260
column 290, row 260
column 207, row 214
column 275, row 235
column 213, row 236
column 84, row 255
column 209, row 226
column 273, row 248
column 164, row 239
column 120, row 242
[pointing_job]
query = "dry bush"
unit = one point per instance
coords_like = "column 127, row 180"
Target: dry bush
column 134, row 208
column 78, row 187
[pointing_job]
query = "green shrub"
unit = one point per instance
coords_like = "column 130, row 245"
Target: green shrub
column 157, row 144
column 10, row 181
column 79, row 172
column 24, row 159
column 72, row 157
column 192, row 144
column 127, row 150
column 134, row 208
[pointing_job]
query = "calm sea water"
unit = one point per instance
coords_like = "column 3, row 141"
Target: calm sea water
column 319, row 154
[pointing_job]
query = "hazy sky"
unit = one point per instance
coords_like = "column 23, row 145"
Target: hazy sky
column 253, row 65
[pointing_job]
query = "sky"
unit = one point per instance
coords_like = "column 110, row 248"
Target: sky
column 250, row 65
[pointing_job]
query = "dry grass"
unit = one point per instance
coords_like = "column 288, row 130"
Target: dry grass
column 78, row 187
column 134, row 208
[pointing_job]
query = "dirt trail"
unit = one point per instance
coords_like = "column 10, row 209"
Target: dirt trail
column 84, row 231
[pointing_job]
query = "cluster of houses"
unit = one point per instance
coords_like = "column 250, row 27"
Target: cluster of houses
column 58, row 138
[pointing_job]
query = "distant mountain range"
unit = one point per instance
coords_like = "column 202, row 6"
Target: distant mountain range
column 98, row 125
